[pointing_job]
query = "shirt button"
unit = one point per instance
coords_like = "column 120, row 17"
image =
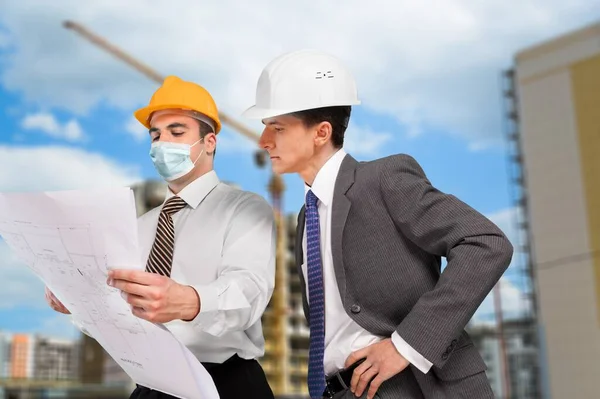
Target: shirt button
column 355, row 308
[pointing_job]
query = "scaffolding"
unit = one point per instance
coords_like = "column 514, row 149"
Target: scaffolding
column 524, row 255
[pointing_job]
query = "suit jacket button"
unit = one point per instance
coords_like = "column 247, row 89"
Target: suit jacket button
column 445, row 356
column 355, row 308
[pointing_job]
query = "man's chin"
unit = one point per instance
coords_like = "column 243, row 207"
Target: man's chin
column 281, row 170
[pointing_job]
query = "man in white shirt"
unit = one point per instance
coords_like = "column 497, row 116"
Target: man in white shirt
column 384, row 321
column 209, row 249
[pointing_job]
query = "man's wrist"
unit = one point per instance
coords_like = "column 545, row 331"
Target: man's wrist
column 192, row 309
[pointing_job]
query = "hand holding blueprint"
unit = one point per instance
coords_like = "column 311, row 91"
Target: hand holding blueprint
column 69, row 239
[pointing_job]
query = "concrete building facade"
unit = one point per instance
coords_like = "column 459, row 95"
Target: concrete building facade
column 558, row 97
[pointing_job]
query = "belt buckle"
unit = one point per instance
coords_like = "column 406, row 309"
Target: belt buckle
column 329, row 391
column 328, row 394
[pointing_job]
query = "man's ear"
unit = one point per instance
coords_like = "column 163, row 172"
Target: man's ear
column 210, row 143
column 323, row 133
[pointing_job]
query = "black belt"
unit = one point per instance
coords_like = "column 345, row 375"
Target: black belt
column 340, row 381
column 229, row 362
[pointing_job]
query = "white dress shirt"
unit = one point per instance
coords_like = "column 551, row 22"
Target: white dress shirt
column 342, row 334
column 225, row 241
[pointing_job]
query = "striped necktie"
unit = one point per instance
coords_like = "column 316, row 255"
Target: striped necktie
column 314, row 271
column 161, row 256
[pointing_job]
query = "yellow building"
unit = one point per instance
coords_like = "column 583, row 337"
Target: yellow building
column 557, row 100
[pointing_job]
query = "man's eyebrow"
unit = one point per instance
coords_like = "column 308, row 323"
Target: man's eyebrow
column 177, row 124
column 275, row 122
column 171, row 126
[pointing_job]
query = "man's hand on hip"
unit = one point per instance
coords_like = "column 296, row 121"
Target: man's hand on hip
column 154, row 297
column 382, row 362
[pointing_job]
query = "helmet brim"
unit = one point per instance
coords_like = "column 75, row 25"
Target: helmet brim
column 143, row 114
column 255, row 112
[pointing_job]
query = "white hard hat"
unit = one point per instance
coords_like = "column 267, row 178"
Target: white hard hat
column 301, row 80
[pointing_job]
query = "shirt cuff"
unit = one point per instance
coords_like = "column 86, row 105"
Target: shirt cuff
column 407, row 351
column 209, row 302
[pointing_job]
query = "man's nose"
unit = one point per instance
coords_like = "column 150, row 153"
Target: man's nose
column 165, row 137
column 265, row 141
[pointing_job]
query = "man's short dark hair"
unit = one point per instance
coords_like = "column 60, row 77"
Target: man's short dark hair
column 338, row 117
column 205, row 129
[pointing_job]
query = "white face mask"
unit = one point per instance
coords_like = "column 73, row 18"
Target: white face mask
column 172, row 160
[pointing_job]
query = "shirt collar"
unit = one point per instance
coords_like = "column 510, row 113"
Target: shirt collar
column 324, row 182
column 196, row 191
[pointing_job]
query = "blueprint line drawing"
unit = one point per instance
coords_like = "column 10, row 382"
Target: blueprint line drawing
column 70, row 240
column 67, row 251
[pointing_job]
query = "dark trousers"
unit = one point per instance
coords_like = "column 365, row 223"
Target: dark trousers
column 235, row 378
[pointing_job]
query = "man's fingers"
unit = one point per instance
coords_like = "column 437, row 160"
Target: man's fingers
column 144, row 314
column 134, row 276
column 131, row 288
column 358, row 372
column 137, row 301
column 64, row 310
column 356, row 356
column 59, row 307
column 375, row 384
column 139, row 312
column 54, row 303
column 364, row 380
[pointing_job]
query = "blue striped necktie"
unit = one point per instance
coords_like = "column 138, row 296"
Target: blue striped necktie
column 316, row 373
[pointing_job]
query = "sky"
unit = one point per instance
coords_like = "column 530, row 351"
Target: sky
column 428, row 76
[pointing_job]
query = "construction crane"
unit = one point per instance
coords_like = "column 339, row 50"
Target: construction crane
column 276, row 187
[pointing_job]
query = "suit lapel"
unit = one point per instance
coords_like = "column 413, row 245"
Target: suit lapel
column 341, row 207
column 300, row 257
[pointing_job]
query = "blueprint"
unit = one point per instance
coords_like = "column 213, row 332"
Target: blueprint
column 70, row 239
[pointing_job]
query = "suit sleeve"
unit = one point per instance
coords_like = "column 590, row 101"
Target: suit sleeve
column 477, row 252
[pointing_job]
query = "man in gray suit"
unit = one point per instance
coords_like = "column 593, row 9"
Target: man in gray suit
column 384, row 321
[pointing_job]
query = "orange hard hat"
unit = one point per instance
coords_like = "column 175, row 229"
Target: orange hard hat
column 179, row 94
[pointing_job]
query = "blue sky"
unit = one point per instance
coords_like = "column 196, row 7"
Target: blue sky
column 429, row 82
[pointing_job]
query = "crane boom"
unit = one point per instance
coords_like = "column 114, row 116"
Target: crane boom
column 150, row 73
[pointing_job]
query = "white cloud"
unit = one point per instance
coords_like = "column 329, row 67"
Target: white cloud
column 136, row 129
column 427, row 66
column 506, row 220
column 362, row 140
column 486, row 144
column 59, row 168
column 47, row 123
column 514, row 302
column 229, row 141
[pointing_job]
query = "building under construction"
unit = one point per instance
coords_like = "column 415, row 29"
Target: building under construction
column 554, row 89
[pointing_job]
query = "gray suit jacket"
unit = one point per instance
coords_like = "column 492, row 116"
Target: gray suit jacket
column 390, row 228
